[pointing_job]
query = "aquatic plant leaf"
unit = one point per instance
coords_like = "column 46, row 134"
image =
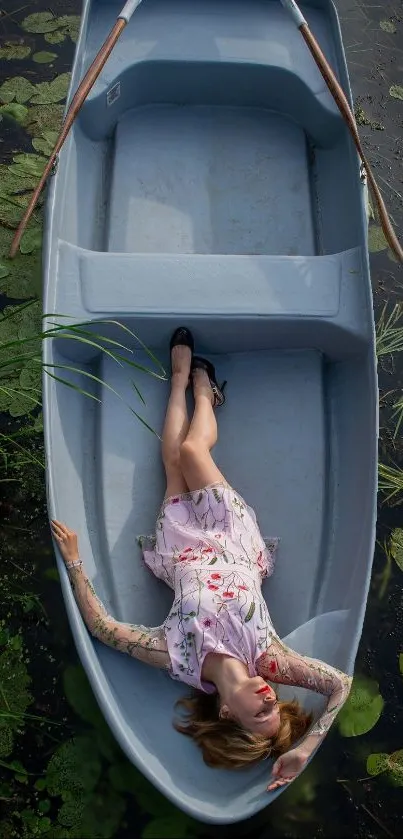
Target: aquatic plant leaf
column 376, row 239
column 43, row 117
column 15, row 681
column 362, row 709
column 9, row 213
column 401, row 663
column 31, row 164
column 395, row 768
column 44, row 57
column 15, row 111
column 396, row 546
column 10, row 51
column 4, row 270
column 18, row 89
column 43, row 145
column 50, row 92
column 396, row 91
column 31, row 240
column 388, row 26
column 56, row 37
column 71, row 812
column 71, row 25
column 80, row 696
column 40, row 22
column 25, row 277
column 74, row 766
column 377, row 763
column 170, row 827
column 6, row 741
column 13, row 182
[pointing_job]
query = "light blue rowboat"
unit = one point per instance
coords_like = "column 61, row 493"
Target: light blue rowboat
column 210, row 180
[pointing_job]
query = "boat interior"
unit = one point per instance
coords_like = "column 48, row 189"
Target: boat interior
column 210, row 181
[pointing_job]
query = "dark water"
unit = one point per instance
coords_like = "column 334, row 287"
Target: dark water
column 335, row 797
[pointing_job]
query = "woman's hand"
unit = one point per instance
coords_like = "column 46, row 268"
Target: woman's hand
column 66, row 540
column 287, row 767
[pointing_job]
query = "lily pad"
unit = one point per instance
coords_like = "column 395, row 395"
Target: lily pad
column 377, row 763
column 56, row 37
column 44, row 57
column 31, row 164
column 24, row 279
column 388, row 26
column 4, row 270
column 71, row 25
column 396, row 546
column 391, row 764
column 15, row 111
column 18, row 89
column 44, row 144
column 396, row 91
column 376, row 239
column 50, row 92
column 43, row 118
column 18, row 52
column 31, row 240
column 362, row 709
column 40, row 22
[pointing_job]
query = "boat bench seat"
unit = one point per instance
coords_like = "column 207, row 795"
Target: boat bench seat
column 226, row 55
column 153, row 290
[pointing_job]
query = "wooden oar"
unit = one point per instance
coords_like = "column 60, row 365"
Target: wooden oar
column 344, row 107
column 76, row 104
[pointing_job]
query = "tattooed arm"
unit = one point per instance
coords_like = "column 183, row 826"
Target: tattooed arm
column 282, row 665
column 145, row 643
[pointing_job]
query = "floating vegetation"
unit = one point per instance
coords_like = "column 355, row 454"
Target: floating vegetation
column 54, row 29
column 388, row 25
column 389, row 331
column 393, row 550
column 389, row 764
column 362, row 709
column 44, row 57
column 390, row 483
column 21, row 90
column 14, row 51
column 396, row 91
column 14, row 695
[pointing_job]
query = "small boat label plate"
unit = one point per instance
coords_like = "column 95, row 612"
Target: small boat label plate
column 113, row 94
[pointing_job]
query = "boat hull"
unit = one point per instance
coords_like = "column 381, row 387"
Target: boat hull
column 210, row 181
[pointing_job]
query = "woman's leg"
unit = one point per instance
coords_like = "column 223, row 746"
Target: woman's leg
column 176, row 424
column 197, row 464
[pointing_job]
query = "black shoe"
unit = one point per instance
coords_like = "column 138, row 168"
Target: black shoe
column 182, row 337
column 199, row 363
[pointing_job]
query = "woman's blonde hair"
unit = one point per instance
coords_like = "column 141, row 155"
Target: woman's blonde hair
column 225, row 744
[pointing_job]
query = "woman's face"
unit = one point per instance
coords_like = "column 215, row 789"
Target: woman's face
column 255, row 706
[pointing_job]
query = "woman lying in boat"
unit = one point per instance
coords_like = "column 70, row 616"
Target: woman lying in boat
column 218, row 636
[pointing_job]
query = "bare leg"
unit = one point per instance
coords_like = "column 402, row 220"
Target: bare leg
column 176, row 424
column 197, row 464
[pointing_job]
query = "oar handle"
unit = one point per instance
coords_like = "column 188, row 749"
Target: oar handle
column 128, row 9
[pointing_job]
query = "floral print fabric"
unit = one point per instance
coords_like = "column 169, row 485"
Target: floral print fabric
column 209, row 549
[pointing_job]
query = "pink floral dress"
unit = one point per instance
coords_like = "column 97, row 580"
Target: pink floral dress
column 209, row 550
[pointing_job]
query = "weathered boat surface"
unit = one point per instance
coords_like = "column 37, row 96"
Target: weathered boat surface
column 211, row 181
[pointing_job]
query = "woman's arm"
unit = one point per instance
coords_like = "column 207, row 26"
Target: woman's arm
column 284, row 666
column 145, row 643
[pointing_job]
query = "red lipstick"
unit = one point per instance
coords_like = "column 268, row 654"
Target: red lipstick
column 263, row 690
